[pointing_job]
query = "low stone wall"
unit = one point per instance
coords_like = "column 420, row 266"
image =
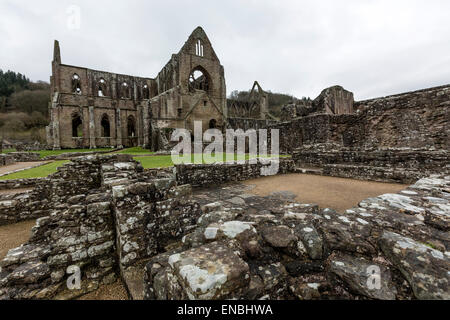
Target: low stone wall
column 70, row 155
column 417, row 119
column 394, row 246
column 6, row 159
column 390, row 165
column 100, row 213
column 25, row 156
column 149, row 216
column 19, row 183
column 380, row 174
column 214, row 174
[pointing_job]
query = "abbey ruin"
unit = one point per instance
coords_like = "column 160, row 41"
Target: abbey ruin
column 196, row 231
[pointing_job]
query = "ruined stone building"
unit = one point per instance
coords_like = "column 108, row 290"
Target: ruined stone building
column 91, row 108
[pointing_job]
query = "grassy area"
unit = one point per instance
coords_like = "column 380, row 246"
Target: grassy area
column 136, row 151
column 45, row 153
column 165, row 161
column 148, row 162
column 38, row 172
column 8, row 150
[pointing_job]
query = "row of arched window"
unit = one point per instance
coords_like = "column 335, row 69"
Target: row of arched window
column 101, row 88
column 77, row 126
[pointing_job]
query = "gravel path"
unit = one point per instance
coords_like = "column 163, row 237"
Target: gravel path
column 328, row 192
column 20, row 166
column 14, row 235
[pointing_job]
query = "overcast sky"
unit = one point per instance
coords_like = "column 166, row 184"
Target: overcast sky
column 373, row 48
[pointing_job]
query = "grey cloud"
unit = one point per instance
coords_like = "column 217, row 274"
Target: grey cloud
column 373, row 48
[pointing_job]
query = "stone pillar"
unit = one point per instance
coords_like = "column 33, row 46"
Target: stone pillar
column 56, row 141
column 55, row 122
column 92, row 144
column 146, row 126
column 140, row 128
column 118, row 129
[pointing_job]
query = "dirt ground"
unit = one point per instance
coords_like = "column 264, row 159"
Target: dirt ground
column 20, row 165
column 15, row 191
column 115, row 291
column 328, row 192
column 14, row 235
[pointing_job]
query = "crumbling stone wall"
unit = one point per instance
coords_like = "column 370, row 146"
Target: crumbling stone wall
column 12, row 157
column 149, row 216
column 76, row 229
column 6, row 159
column 18, row 183
column 393, row 165
column 411, row 120
column 131, row 106
column 99, row 215
column 25, row 156
column 273, row 248
column 213, row 174
column 334, row 100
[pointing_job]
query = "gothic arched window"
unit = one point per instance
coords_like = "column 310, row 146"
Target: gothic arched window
column 199, row 48
column 198, row 80
column 105, row 126
column 101, row 88
column 76, row 84
column 125, row 91
column 77, row 126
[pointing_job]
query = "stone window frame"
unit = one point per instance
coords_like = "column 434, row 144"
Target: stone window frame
column 195, row 84
column 102, row 87
column 105, row 126
column 145, row 92
column 125, row 90
column 199, row 48
column 76, row 115
column 133, row 120
column 76, row 84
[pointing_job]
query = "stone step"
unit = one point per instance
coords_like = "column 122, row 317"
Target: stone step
column 318, row 171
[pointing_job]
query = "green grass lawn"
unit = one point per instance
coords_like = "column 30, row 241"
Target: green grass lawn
column 136, row 151
column 165, row 161
column 8, row 150
column 45, row 153
column 38, row 172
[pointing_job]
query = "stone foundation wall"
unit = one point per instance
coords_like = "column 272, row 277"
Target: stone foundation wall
column 403, row 166
column 150, row 215
column 417, row 119
column 25, row 156
column 394, row 246
column 19, row 183
column 76, row 229
column 215, row 174
column 6, row 159
column 100, row 213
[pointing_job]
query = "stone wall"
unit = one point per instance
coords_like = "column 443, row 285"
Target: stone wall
column 25, row 156
column 394, row 246
column 19, row 183
column 100, row 213
column 76, row 229
column 417, row 120
column 149, row 216
column 247, row 123
column 215, row 174
column 6, row 159
column 13, row 157
column 390, row 165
